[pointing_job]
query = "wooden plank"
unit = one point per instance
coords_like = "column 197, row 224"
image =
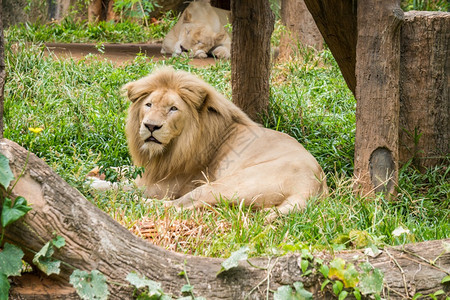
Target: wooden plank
column 377, row 94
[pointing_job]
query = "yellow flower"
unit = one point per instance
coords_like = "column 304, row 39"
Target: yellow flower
column 36, row 130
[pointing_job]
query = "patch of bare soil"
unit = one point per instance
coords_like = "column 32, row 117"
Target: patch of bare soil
column 117, row 53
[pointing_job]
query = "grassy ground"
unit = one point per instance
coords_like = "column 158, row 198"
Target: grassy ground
column 80, row 108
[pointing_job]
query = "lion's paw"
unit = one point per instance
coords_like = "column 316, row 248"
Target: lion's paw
column 200, row 54
column 221, row 52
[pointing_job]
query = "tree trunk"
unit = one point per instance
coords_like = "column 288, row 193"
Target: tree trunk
column 424, row 88
column 378, row 96
column 302, row 31
column 253, row 23
column 96, row 241
column 336, row 21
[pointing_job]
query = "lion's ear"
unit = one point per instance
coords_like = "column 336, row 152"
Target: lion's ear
column 132, row 92
column 187, row 17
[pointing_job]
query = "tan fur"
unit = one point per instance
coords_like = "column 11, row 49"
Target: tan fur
column 200, row 31
column 210, row 148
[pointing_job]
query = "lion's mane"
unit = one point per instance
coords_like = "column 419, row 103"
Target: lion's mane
column 212, row 120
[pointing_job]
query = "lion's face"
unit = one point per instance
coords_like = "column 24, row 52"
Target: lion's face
column 197, row 40
column 162, row 118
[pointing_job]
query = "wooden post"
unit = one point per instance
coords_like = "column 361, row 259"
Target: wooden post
column 424, row 88
column 253, row 23
column 377, row 94
column 301, row 29
column 336, row 21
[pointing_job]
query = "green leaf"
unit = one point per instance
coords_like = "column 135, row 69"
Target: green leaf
column 154, row 288
column 343, row 295
column 300, row 292
column 59, row 242
column 187, row 288
column 349, row 276
column 324, row 284
column 283, row 293
column 324, row 270
column 417, row 296
column 337, row 287
column 439, row 292
column 371, row 279
column 357, row 294
column 89, row 285
column 304, row 264
column 11, row 260
column 445, row 279
column 6, row 176
column 4, row 287
column 235, row 257
column 13, row 212
column 44, row 261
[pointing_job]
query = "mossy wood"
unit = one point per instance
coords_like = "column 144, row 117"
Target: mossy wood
column 94, row 241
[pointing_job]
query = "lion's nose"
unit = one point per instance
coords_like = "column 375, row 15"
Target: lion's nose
column 152, row 127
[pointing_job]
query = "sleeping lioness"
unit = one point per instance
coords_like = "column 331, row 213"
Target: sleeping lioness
column 200, row 31
column 196, row 146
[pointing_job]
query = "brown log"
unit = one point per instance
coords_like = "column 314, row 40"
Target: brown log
column 253, row 23
column 301, row 29
column 95, row 241
column 377, row 94
column 336, row 21
column 424, row 88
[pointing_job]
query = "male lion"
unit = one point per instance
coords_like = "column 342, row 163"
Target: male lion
column 196, row 146
column 200, row 31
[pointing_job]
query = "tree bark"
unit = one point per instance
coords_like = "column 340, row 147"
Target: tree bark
column 336, row 21
column 377, row 94
column 302, row 31
column 253, row 23
column 96, row 241
column 424, row 88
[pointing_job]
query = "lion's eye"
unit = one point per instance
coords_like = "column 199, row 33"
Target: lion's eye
column 148, row 104
column 173, row 108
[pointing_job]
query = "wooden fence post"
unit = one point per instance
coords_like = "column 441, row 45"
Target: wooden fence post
column 377, row 94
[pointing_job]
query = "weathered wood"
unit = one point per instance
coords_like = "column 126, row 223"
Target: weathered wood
column 424, row 88
column 96, row 241
column 377, row 94
column 301, row 31
column 253, row 23
column 336, row 21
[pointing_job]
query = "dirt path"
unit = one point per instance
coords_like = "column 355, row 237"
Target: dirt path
column 117, row 53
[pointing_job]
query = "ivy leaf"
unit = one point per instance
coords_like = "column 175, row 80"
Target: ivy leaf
column 6, row 176
column 11, row 260
column 187, row 288
column 4, row 287
column 283, row 293
column 301, row 293
column 371, row 279
column 13, row 212
column 343, row 295
column 324, row 270
column 235, row 257
column 89, row 285
column 304, row 264
column 337, row 287
column 154, row 288
column 44, row 261
column 445, row 279
column 349, row 276
column 59, row 242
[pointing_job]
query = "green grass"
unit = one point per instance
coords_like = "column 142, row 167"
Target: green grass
column 80, row 107
column 71, row 30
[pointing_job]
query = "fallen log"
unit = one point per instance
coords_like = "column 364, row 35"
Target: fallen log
column 94, row 241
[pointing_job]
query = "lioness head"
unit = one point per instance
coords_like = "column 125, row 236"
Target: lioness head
column 199, row 40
